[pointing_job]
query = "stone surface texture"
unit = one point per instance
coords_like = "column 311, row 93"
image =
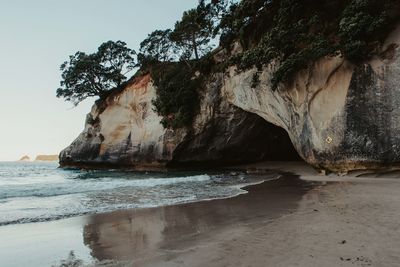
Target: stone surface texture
column 338, row 116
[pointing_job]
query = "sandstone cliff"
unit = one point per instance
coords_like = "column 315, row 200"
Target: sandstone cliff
column 339, row 116
column 125, row 131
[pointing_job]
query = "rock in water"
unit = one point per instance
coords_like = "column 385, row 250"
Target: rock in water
column 339, row 116
column 25, row 158
column 125, row 131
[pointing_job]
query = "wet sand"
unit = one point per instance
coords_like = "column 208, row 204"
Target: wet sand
column 151, row 237
column 313, row 221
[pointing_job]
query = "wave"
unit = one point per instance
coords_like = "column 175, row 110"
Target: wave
column 38, row 192
column 68, row 213
column 78, row 186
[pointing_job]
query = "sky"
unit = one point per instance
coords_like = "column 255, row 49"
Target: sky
column 36, row 37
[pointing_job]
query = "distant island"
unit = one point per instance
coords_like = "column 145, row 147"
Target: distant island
column 40, row 158
column 46, row 158
column 25, row 158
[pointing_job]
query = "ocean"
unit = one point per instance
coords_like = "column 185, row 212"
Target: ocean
column 40, row 191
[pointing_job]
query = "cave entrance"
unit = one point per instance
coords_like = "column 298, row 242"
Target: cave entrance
column 264, row 141
column 247, row 138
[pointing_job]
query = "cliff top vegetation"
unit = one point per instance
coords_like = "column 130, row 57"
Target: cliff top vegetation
column 294, row 33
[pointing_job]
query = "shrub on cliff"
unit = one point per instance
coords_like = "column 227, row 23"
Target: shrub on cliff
column 296, row 33
column 363, row 24
column 177, row 98
column 85, row 75
column 292, row 33
column 174, row 56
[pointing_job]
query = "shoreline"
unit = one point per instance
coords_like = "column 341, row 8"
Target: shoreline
column 242, row 187
column 302, row 220
column 81, row 228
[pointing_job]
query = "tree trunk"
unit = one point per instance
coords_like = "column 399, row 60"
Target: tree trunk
column 196, row 53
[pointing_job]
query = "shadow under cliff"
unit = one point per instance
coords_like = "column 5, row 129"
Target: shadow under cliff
column 245, row 139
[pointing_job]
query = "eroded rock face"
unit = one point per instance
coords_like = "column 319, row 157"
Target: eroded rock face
column 339, row 116
column 223, row 134
column 125, row 131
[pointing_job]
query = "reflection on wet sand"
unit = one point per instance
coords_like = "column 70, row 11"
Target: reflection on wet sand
column 144, row 235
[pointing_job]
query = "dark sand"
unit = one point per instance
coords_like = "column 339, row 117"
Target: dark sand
column 346, row 221
column 150, row 237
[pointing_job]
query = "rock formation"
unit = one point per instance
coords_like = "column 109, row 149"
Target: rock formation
column 125, row 131
column 339, row 116
column 46, row 158
column 25, row 158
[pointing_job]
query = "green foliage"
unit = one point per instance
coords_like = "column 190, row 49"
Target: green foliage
column 87, row 75
column 237, row 17
column 292, row 33
column 193, row 32
column 158, row 46
column 361, row 25
column 318, row 47
column 177, row 97
column 290, row 41
column 190, row 37
column 174, row 56
column 296, row 33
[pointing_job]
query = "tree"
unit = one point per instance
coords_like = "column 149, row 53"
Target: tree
column 158, row 46
column 194, row 32
column 363, row 21
column 87, row 75
column 177, row 97
column 216, row 10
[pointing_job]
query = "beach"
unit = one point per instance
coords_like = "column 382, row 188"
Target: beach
column 200, row 133
column 300, row 219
